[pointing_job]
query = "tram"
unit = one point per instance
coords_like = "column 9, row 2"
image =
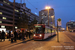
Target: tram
column 42, row 31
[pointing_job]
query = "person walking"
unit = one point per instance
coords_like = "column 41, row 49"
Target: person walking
column 23, row 35
column 15, row 36
column 12, row 37
column 0, row 36
column 29, row 34
column 9, row 35
column 20, row 35
column 26, row 33
column 3, row 35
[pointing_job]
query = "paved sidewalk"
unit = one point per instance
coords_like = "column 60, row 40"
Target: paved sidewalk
column 65, row 43
column 8, row 43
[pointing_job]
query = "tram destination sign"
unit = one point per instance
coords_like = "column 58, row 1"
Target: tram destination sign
column 37, row 26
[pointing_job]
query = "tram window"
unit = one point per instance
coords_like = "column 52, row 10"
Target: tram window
column 46, row 30
column 52, row 31
column 38, row 30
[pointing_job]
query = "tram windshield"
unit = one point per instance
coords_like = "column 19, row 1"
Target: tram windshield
column 38, row 29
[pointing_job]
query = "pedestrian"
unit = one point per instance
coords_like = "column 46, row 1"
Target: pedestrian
column 26, row 33
column 20, row 35
column 15, row 35
column 9, row 35
column 12, row 37
column 0, row 36
column 3, row 35
column 23, row 35
column 29, row 34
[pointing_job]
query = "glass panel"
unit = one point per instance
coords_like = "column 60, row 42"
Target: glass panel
column 1, row 13
column 38, row 29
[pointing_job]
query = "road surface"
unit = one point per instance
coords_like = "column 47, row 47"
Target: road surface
column 66, row 42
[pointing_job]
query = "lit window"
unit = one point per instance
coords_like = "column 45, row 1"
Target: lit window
column 4, row 17
column 0, row 21
column 42, row 13
column 8, row 3
column 23, row 12
column 15, row 27
column 1, row 13
column 4, row 1
column 19, row 17
column 16, row 10
column 52, row 16
column 2, row 26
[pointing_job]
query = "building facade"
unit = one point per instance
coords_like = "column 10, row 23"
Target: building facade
column 26, row 11
column 43, row 16
column 6, row 13
column 70, row 26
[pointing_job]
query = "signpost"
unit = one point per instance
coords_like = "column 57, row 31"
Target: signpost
column 58, row 24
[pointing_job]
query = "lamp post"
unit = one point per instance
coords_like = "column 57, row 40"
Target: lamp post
column 47, row 7
column 13, row 15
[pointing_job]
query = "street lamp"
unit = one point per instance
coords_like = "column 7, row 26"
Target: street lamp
column 47, row 7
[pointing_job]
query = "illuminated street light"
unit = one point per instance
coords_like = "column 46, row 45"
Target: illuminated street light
column 47, row 7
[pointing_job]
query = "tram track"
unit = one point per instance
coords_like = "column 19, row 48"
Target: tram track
column 71, row 36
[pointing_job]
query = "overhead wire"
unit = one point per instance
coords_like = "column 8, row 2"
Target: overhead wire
column 33, row 5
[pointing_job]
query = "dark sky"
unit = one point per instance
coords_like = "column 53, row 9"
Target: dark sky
column 64, row 9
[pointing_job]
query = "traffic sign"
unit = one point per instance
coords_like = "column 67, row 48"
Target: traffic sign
column 59, row 22
column 59, row 19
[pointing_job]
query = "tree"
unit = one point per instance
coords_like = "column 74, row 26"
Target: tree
column 23, row 21
column 33, row 22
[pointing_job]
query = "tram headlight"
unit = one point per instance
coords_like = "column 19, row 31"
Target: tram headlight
column 40, row 35
column 34, row 35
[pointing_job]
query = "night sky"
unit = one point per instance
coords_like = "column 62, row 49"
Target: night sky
column 64, row 9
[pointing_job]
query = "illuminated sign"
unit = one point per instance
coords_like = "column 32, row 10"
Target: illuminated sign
column 37, row 26
column 2, row 26
column 15, row 27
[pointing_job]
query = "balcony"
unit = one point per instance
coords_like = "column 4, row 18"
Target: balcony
column 6, row 24
column 8, row 13
column 6, row 20
column 8, row 17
